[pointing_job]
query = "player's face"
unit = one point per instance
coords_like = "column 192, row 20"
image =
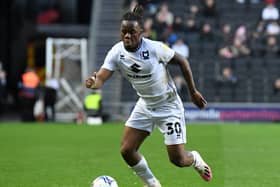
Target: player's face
column 130, row 34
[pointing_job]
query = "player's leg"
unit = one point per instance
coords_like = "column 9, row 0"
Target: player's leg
column 178, row 156
column 171, row 120
column 182, row 158
column 132, row 140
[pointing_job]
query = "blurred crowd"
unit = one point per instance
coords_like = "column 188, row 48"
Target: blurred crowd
column 202, row 29
column 202, row 23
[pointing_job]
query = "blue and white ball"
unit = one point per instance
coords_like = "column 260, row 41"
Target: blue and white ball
column 104, row 181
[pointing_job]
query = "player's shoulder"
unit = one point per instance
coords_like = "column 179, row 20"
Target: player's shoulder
column 150, row 42
column 118, row 46
column 154, row 44
column 116, row 49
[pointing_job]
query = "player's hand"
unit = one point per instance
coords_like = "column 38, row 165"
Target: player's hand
column 198, row 99
column 90, row 81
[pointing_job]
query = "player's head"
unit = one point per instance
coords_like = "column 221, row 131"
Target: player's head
column 131, row 28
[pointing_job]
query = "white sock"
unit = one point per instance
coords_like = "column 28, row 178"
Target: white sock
column 142, row 170
column 197, row 160
column 194, row 158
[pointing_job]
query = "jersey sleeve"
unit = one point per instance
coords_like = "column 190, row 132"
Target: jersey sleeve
column 164, row 53
column 110, row 62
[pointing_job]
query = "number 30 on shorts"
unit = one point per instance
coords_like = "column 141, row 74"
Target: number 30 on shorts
column 173, row 127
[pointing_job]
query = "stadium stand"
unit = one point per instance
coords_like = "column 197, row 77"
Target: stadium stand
column 255, row 72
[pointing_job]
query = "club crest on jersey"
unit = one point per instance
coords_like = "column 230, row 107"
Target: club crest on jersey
column 145, row 55
column 135, row 68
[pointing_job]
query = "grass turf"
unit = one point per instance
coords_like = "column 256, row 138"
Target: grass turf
column 67, row 155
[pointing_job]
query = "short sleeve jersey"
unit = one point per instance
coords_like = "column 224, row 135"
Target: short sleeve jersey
column 145, row 69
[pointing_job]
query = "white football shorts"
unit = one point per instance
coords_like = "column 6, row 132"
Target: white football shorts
column 169, row 118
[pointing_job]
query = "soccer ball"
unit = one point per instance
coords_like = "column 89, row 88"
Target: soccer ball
column 104, row 181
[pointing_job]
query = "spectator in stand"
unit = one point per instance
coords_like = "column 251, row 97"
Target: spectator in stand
column 193, row 11
column 209, row 9
column 272, row 28
column 238, row 49
column 210, row 12
column 191, row 26
column 241, row 34
column 256, row 39
column 180, row 47
column 226, row 79
column 259, row 30
column 164, row 15
column 225, row 52
column 149, row 32
column 271, row 48
column 163, row 22
column 228, row 76
column 207, row 34
column 226, row 35
column 178, row 24
column 208, row 40
column 276, row 86
column 270, row 11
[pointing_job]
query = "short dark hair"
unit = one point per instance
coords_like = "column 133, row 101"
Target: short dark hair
column 135, row 15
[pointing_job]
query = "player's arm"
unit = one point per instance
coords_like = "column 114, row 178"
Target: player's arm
column 196, row 96
column 97, row 79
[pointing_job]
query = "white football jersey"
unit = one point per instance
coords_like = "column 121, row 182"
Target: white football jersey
column 145, row 69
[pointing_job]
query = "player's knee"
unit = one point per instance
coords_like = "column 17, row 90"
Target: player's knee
column 126, row 151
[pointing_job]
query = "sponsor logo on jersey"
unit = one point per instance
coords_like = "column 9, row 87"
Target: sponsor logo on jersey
column 122, row 57
column 139, row 76
column 135, row 68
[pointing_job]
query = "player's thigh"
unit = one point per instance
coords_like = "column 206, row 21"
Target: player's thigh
column 173, row 128
column 140, row 119
column 171, row 122
column 133, row 138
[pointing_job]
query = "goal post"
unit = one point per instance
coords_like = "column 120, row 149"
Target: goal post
column 66, row 62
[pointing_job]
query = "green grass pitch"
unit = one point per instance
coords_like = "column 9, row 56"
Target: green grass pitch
column 68, row 155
